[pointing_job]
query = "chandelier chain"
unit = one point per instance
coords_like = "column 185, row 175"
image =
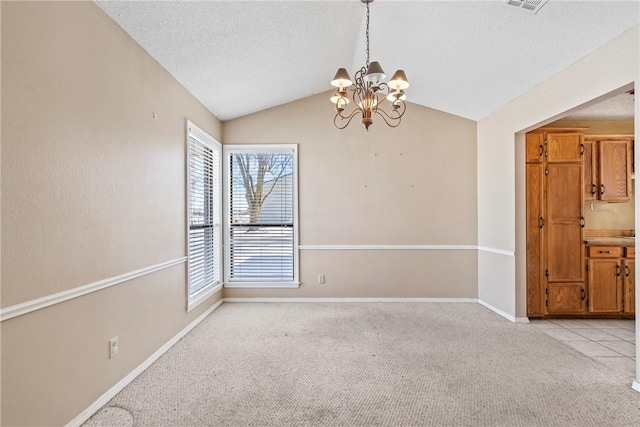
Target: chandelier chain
column 367, row 35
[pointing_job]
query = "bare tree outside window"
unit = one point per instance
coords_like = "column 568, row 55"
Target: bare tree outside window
column 259, row 174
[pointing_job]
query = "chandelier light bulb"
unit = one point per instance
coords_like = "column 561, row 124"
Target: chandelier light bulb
column 399, row 81
column 375, row 74
column 341, row 79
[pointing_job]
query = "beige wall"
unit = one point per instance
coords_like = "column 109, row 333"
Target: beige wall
column 610, row 216
column 500, row 165
column 412, row 185
column 92, row 188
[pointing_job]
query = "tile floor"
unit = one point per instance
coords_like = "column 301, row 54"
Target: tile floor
column 611, row 342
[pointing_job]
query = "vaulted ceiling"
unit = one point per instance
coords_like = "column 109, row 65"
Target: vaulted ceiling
column 467, row 58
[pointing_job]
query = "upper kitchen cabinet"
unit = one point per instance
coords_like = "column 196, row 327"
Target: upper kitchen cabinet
column 608, row 178
column 564, row 147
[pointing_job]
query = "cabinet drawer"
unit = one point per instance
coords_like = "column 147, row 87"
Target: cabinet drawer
column 630, row 252
column 605, row 251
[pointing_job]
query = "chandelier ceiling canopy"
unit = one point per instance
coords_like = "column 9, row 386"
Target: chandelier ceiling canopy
column 368, row 93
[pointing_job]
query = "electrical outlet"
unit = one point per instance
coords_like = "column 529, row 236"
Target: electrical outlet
column 113, row 347
column 321, row 278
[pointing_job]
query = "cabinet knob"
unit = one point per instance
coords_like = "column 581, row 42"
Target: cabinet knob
column 618, row 270
column 602, row 189
column 627, row 270
column 604, row 252
column 594, row 189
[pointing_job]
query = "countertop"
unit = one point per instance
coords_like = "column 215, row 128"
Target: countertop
column 610, row 241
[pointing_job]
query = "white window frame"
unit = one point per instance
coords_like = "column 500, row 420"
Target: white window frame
column 201, row 295
column 259, row 148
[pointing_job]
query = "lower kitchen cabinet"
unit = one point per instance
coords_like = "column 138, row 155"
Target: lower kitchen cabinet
column 566, row 298
column 610, row 280
column 605, row 285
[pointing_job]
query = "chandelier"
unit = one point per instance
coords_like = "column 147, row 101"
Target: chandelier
column 369, row 93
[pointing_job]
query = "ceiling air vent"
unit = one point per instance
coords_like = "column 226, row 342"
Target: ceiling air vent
column 531, row 6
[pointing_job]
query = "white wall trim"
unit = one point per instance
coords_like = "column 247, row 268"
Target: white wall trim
column 386, row 247
column 496, row 251
column 348, row 299
column 40, row 303
column 404, row 248
column 102, row 400
column 502, row 313
column 635, row 386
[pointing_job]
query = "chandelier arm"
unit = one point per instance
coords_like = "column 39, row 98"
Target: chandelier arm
column 399, row 112
column 390, row 124
column 347, row 118
column 386, row 117
column 357, row 96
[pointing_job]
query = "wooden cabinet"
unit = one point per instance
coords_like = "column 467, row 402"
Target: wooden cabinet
column 564, row 223
column 608, row 168
column 590, row 183
column 564, row 147
column 554, row 197
column 611, row 279
column 535, row 270
column 629, row 281
column 566, row 298
column 534, row 147
column 605, row 285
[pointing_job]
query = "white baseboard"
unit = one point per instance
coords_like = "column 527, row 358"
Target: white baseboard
column 350, row 300
column 504, row 314
column 635, row 386
column 102, row 400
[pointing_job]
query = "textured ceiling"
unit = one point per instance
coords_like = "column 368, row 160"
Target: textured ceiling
column 618, row 107
column 464, row 57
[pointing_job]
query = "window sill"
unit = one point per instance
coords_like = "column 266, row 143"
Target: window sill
column 270, row 285
column 201, row 296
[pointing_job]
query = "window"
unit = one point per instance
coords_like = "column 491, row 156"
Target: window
column 204, row 197
column 261, row 216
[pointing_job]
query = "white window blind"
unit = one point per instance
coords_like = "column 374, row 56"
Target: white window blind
column 204, row 213
column 262, row 233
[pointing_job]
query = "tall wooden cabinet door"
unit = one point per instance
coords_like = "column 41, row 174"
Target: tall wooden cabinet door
column 535, row 221
column 590, row 171
column 564, row 241
column 566, row 298
column 535, row 147
column 614, row 170
column 629, row 266
column 564, row 147
column 605, row 285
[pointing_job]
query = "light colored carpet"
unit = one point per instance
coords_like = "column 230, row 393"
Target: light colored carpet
column 364, row 364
